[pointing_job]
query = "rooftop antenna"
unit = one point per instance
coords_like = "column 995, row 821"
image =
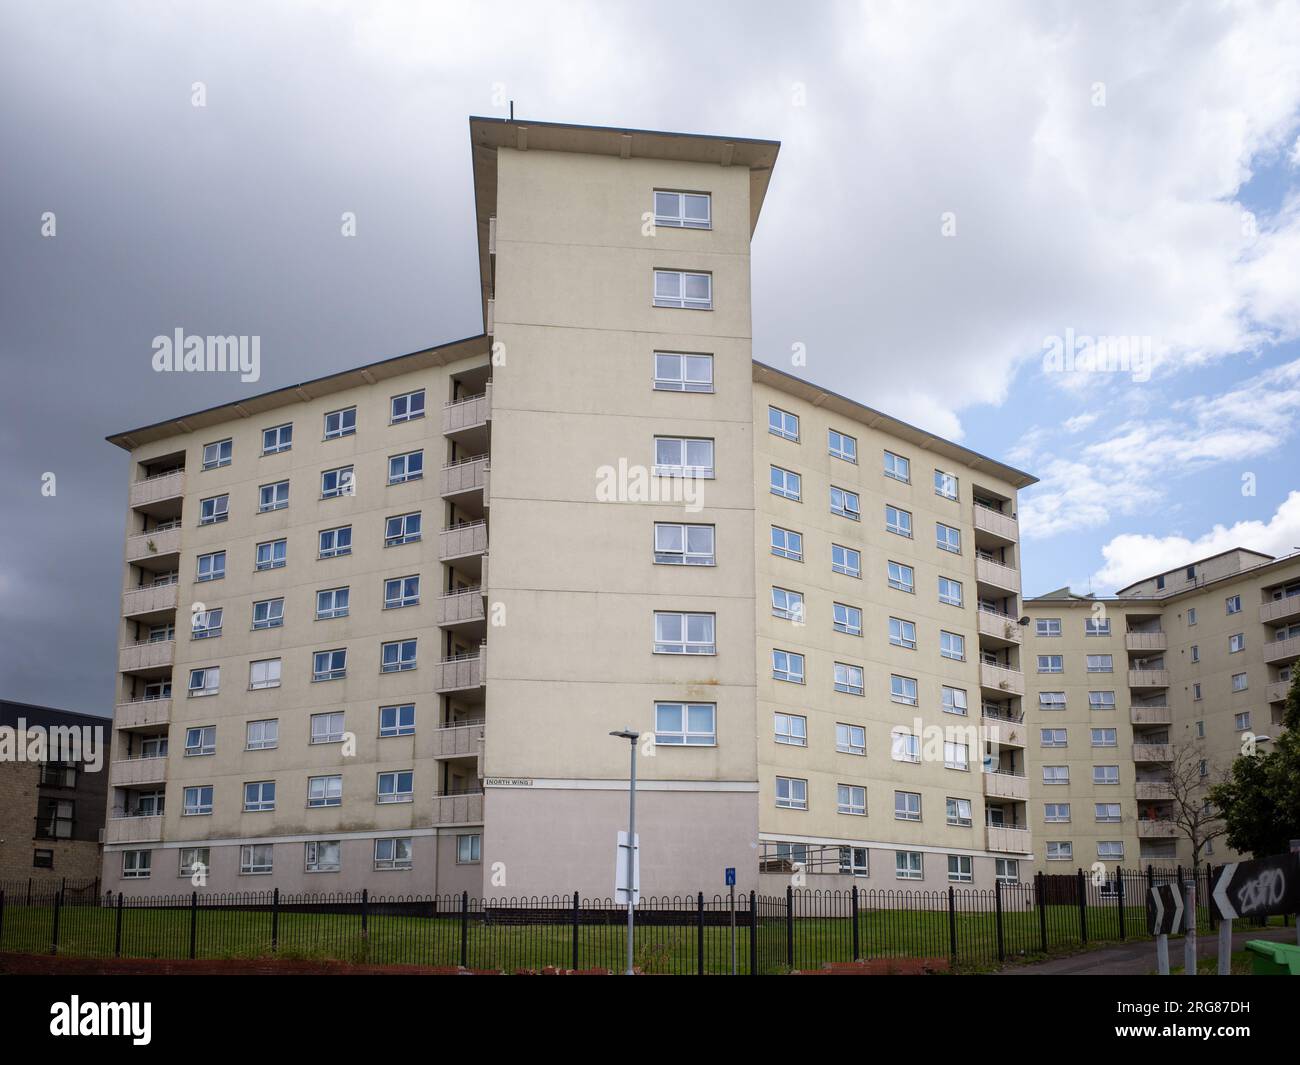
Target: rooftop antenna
column 512, row 110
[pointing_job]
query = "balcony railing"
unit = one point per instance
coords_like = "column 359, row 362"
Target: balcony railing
column 1153, row 752
column 1282, row 651
column 999, row 626
column 458, row 809
column 1001, row 679
column 459, row 541
column 1146, row 641
column 142, row 713
column 468, row 413
column 1157, row 829
column 1148, row 678
column 136, row 657
column 461, row 608
column 1008, row 840
column 156, row 489
column 133, row 829
column 995, row 524
column 995, row 573
column 458, row 741
column 1153, row 790
column 159, row 542
column 1277, row 691
column 1000, row 785
column 135, row 772
column 151, row 600
column 1285, row 609
column 1151, row 715
column 1003, row 732
column 467, row 475
column 460, row 673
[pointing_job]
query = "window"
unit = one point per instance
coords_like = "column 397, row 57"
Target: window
column 259, row 796
column 787, row 666
column 217, row 454
column 162, row 633
column 846, row 560
column 1236, row 642
column 851, row 799
column 1051, row 664
column 1007, row 870
column 901, row 577
column 393, row 853
column 1196, row 692
column 1101, row 664
column 791, row 793
column 683, row 210
column 1241, row 721
column 842, row 446
column 846, row 504
column 332, row 603
column 264, row 674
column 684, row 634
column 679, row 456
column 1239, row 683
column 273, row 496
column 1107, row 812
column 206, row 681
column 1051, row 700
column 136, row 865
column 683, row 373
column 402, row 529
column 1191, row 615
column 325, row 791
column 684, row 545
column 321, row 856
column 902, row 633
column 902, row 689
column 396, row 656
column 262, row 735
column 1105, row 774
column 272, row 555
column 783, row 424
column 197, row 801
column 787, row 604
column 1112, row 849
column 950, row 591
column 1096, row 626
column 953, row 700
column 848, row 679
column 268, row 613
column 1196, row 652
column 1056, row 774
column 405, row 467
column 907, row 806
column 1234, row 604
column 787, row 544
column 945, row 484
column 848, row 619
column 946, row 538
column 785, row 484
column 956, row 756
column 330, row 665
column 1160, row 582
column 211, row 567
column 905, row 747
column 406, row 407
column 214, row 509
column 953, row 646
column 959, row 868
column 1047, row 627
column 327, row 728
column 1053, row 737
column 1056, row 812
column 1060, row 851
column 790, row 729
column 396, row 787
column 340, row 423
column 686, row 724
column 853, row 861
column 206, row 624
column 907, row 865
column 897, row 467
column 1101, row 700
column 335, row 542
column 1104, row 737
column 338, row 482
column 192, row 857
column 255, row 859
column 397, row 720
column 277, row 439
column 200, row 740
column 959, row 812
column 469, row 848
column 1191, row 573
column 850, row 739
column 401, row 592
column 684, row 289
column 898, row 521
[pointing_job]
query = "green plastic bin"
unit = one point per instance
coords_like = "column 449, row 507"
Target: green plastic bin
column 1274, row 959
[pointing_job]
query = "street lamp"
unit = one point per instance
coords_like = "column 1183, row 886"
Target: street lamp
column 631, row 737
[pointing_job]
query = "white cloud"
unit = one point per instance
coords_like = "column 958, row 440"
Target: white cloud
column 1130, row 557
column 1080, row 422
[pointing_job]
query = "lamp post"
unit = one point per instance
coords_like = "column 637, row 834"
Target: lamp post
column 631, row 737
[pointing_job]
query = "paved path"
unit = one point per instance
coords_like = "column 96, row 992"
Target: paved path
column 1139, row 958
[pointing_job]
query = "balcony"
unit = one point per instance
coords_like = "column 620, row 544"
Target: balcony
column 465, row 477
column 1153, row 790
column 999, row 629
column 133, row 829
column 1151, row 715
column 1148, row 678
column 997, row 525
column 156, row 549
column 462, row 674
column 157, row 599
column 460, row 608
column 1002, row 785
column 1001, row 681
column 137, row 772
column 1157, row 829
column 1153, row 752
column 464, row 545
column 468, row 417
column 459, row 809
column 1146, row 641
column 997, row 575
column 160, row 493
column 1277, row 691
column 1005, row 732
column 1007, row 840
column 149, row 657
column 142, row 713
column 459, row 741
column 1278, row 610
column 1280, row 652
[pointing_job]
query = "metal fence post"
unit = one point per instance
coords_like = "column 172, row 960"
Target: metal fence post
column 789, row 925
column 753, row 934
column 2, row 915
column 275, row 920
column 699, row 933
column 1039, row 884
column 857, row 939
column 194, row 922
column 117, row 935
column 365, row 911
column 54, row 933
column 1082, row 887
column 464, row 929
column 997, row 907
column 577, row 917
column 1119, row 895
column 952, row 924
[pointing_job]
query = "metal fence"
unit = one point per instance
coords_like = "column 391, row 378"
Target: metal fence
column 964, row 928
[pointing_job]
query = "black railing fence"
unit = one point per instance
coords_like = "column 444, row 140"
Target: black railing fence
column 963, row 927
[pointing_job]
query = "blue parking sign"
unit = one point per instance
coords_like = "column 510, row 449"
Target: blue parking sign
column 731, row 878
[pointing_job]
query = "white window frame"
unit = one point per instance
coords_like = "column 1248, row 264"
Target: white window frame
column 685, row 645
column 276, row 500
column 335, row 550
column 682, row 382
column 681, row 301
column 344, row 425
column 679, row 219
column 283, row 439
column 686, row 735
column 687, row 556
column 404, row 407
column 221, row 457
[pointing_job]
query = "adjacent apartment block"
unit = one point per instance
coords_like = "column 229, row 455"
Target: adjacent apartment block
column 1144, row 698
column 377, row 627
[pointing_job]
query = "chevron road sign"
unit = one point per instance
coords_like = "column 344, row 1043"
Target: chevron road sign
column 1165, row 910
column 1257, row 889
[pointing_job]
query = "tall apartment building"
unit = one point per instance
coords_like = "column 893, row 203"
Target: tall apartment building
column 377, row 627
column 1182, row 668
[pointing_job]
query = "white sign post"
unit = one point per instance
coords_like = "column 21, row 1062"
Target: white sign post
column 1189, row 940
